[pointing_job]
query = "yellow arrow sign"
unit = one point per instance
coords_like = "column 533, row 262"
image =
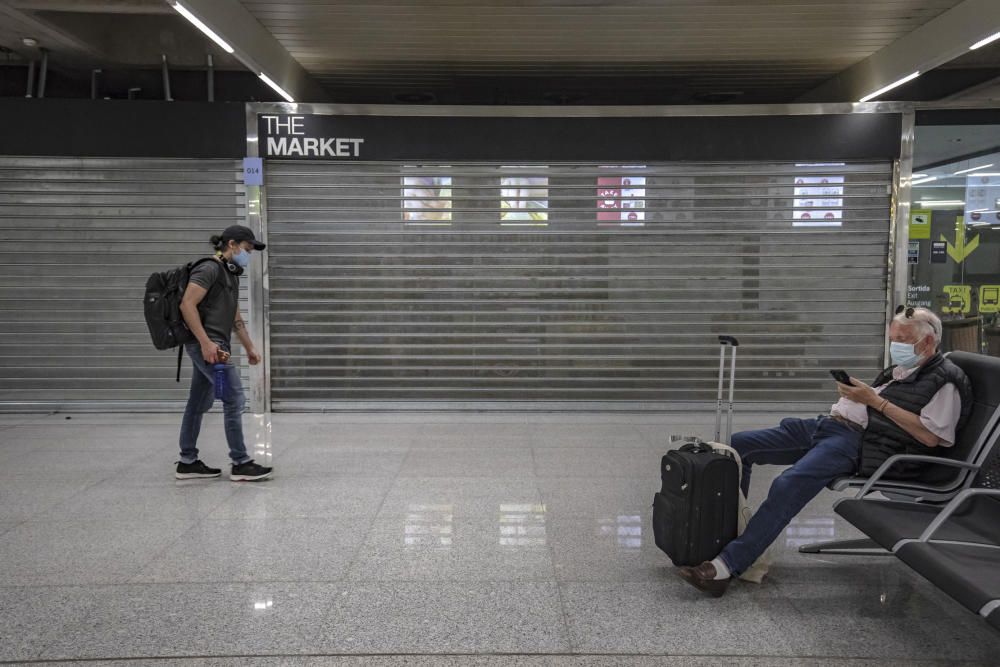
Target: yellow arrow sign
column 961, row 249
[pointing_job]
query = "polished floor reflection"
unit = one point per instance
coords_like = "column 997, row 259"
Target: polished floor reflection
column 415, row 539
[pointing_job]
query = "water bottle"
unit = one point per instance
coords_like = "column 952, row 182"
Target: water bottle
column 220, row 380
column 219, row 371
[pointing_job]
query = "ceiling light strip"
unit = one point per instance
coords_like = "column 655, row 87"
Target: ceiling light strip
column 278, row 89
column 983, row 42
column 186, row 13
column 892, row 85
column 966, row 171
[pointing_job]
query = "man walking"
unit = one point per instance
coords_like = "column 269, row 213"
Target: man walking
column 210, row 308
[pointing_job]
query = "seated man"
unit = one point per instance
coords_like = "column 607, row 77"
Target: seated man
column 915, row 407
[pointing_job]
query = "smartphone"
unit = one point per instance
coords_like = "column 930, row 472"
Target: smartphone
column 841, row 377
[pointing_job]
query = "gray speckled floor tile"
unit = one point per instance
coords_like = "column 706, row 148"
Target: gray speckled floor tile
column 595, row 498
column 352, row 490
column 899, row 617
column 200, row 620
column 614, row 548
column 275, row 661
column 136, row 419
column 594, row 462
column 448, row 618
column 82, row 552
column 611, row 661
column 600, row 436
column 430, row 544
column 479, row 435
column 33, row 617
column 124, row 500
column 99, row 439
column 669, row 617
column 158, row 471
column 379, row 436
column 247, row 550
column 302, row 461
column 517, row 661
column 62, row 464
column 22, row 499
column 471, row 497
column 508, row 462
column 306, row 497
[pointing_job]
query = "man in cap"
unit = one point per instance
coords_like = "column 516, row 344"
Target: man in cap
column 210, row 308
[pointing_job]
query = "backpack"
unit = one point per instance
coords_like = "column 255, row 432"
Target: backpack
column 162, row 308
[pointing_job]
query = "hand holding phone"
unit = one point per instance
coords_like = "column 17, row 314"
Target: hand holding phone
column 841, row 377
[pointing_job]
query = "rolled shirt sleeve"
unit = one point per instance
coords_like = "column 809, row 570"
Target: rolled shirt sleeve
column 940, row 416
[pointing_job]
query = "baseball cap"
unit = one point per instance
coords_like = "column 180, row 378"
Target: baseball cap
column 239, row 233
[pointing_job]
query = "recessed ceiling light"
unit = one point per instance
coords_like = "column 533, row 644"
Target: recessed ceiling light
column 30, row 42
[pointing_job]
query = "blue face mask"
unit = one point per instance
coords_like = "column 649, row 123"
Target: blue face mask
column 242, row 258
column 904, row 355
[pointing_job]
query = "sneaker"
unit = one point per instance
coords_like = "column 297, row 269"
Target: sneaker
column 196, row 470
column 249, row 472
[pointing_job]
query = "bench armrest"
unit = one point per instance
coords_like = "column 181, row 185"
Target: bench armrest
column 896, row 458
column 953, row 505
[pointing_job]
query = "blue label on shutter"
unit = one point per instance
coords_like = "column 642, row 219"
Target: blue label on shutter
column 253, row 171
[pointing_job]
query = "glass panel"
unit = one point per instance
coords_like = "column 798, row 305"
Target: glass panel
column 427, row 200
column 524, row 200
column 819, row 200
column 621, row 200
column 954, row 248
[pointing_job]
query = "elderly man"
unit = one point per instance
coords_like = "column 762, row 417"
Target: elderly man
column 914, row 407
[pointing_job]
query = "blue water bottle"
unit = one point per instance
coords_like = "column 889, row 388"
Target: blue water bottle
column 219, row 370
column 220, row 380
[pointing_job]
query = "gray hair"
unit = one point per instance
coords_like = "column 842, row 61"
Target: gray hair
column 924, row 321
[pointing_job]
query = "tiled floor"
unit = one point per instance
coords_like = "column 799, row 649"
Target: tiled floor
column 417, row 539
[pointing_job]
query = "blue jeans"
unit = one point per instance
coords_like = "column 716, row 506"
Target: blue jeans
column 821, row 449
column 202, row 397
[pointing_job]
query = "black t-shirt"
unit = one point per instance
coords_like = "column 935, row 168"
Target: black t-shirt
column 218, row 308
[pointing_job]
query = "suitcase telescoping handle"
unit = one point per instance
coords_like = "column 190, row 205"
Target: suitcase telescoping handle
column 731, row 343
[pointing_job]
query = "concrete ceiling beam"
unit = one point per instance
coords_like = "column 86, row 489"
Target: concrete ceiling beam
column 93, row 7
column 24, row 24
column 256, row 47
column 936, row 42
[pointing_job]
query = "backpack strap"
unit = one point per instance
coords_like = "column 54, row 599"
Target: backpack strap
column 218, row 275
column 180, row 356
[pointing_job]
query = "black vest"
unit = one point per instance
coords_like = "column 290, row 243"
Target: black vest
column 883, row 438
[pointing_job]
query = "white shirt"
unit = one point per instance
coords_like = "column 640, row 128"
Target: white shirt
column 940, row 416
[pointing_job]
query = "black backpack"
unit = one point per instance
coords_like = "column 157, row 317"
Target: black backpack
column 162, row 306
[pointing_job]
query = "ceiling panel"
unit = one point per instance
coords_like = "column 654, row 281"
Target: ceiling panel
column 748, row 46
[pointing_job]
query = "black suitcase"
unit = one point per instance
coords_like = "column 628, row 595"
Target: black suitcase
column 696, row 511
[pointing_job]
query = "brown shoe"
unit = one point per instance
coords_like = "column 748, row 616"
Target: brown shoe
column 703, row 578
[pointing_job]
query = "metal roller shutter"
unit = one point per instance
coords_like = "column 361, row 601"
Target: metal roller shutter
column 80, row 237
column 564, row 303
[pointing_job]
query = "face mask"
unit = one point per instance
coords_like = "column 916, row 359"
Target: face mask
column 242, row 258
column 903, row 354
